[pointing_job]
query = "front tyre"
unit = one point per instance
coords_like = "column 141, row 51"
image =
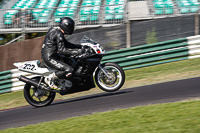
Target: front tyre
column 37, row 97
column 114, row 78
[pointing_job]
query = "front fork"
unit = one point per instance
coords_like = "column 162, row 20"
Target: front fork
column 104, row 71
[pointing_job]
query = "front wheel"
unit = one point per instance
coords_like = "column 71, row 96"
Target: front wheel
column 110, row 77
column 37, row 97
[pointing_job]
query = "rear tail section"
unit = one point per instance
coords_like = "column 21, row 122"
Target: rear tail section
column 32, row 67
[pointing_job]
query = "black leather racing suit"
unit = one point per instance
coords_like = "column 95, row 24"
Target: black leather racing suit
column 54, row 44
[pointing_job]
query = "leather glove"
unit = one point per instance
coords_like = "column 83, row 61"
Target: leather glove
column 81, row 51
column 85, row 47
column 77, row 52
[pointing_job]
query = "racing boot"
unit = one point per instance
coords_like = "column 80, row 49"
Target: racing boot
column 65, row 82
column 50, row 81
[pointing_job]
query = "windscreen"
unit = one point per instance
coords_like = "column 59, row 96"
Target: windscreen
column 86, row 39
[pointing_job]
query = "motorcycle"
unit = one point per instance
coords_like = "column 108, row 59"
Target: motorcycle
column 108, row 76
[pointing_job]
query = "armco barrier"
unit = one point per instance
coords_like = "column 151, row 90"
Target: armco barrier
column 149, row 54
column 129, row 58
column 9, row 80
column 156, row 53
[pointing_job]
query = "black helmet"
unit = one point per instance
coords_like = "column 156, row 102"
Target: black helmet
column 67, row 25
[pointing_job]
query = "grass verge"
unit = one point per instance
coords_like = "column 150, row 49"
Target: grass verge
column 176, row 117
column 135, row 77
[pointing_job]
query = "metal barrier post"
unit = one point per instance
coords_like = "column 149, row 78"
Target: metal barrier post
column 128, row 35
column 197, row 22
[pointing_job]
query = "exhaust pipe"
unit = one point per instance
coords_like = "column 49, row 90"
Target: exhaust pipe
column 34, row 83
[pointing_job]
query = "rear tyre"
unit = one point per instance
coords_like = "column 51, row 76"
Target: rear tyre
column 38, row 97
column 115, row 80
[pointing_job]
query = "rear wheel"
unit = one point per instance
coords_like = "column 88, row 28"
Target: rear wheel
column 38, row 97
column 110, row 78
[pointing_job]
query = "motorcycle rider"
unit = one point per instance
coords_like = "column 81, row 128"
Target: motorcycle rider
column 55, row 44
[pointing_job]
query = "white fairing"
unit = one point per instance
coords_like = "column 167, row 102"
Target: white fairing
column 97, row 48
column 32, row 67
column 94, row 45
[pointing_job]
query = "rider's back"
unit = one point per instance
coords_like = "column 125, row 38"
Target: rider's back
column 49, row 48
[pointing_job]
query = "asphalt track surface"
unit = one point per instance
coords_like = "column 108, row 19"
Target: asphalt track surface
column 151, row 94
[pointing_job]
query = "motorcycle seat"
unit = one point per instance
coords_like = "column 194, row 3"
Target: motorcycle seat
column 41, row 64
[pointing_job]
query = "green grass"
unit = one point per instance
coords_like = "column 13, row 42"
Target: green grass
column 10, row 100
column 136, row 77
column 179, row 117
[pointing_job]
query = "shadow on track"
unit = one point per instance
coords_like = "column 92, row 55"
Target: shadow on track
column 100, row 95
